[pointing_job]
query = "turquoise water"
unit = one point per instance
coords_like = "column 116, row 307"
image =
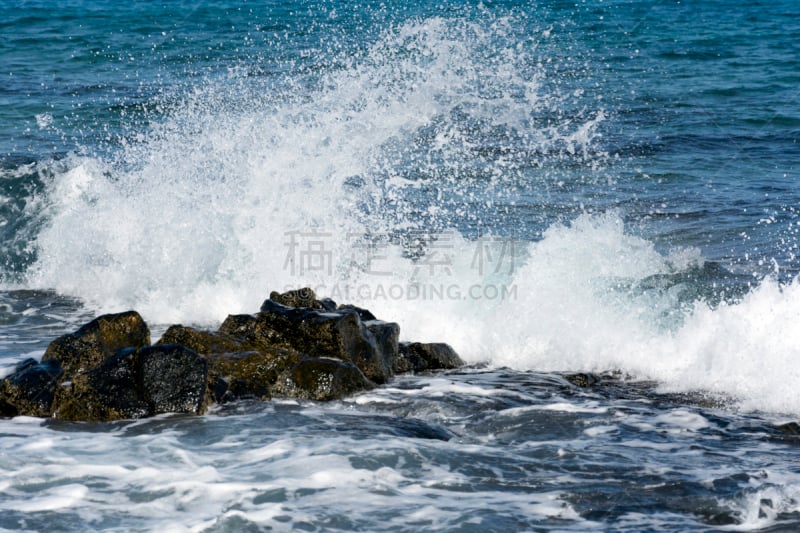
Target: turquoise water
column 602, row 186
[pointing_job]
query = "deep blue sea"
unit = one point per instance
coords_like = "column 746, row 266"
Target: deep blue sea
column 550, row 187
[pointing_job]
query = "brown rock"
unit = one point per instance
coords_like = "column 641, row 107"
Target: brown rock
column 96, row 341
column 420, row 356
column 321, row 379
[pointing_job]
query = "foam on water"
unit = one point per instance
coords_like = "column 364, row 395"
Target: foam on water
column 213, row 206
column 373, row 463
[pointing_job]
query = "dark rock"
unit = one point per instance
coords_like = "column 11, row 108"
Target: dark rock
column 96, row 341
column 257, row 334
column 327, row 304
column 248, row 374
column 296, row 346
column 30, row 389
column 220, row 391
column 789, row 428
column 136, row 384
column 304, row 297
column 243, row 365
column 363, row 314
column 339, row 334
column 386, row 338
column 105, row 393
column 419, row 356
column 172, row 379
column 322, row 379
column 583, row 380
column 203, row 342
column 418, row 429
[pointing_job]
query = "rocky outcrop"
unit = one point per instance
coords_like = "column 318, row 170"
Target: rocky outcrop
column 296, row 346
column 338, row 334
column 136, row 383
column 302, row 298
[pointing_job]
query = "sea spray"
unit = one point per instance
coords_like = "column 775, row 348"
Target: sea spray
column 396, row 183
column 195, row 217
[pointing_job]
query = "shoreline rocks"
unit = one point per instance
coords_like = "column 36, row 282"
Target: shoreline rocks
column 296, row 346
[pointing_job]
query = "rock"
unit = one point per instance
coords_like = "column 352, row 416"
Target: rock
column 386, row 338
column 30, row 389
column 363, row 314
column 172, row 379
column 419, row 356
column 238, row 367
column 297, row 346
column 582, row 379
column 96, row 341
column 248, row 374
column 304, row 297
column 243, row 365
column 105, row 393
column 339, row 334
column 257, row 334
column 136, row 384
column 204, row 342
column 789, row 428
column 321, row 379
column 315, row 331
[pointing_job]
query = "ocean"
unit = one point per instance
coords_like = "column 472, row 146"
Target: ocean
column 607, row 187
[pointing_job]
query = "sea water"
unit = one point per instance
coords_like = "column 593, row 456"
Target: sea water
column 594, row 186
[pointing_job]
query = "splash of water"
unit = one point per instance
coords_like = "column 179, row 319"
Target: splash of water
column 372, row 182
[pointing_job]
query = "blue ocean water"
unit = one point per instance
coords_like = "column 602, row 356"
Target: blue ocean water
column 593, row 186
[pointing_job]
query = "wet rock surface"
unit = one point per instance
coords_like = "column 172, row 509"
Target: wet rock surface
column 96, row 341
column 421, row 356
column 106, row 392
column 30, row 388
column 321, row 378
column 296, row 346
column 172, row 379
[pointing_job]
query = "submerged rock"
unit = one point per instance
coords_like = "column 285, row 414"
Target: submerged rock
column 789, row 428
column 420, row 356
column 322, row 379
column 582, row 379
column 96, row 341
